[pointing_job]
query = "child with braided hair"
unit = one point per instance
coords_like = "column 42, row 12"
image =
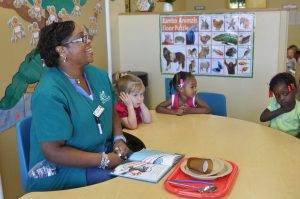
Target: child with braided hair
column 283, row 112
column 186, row 100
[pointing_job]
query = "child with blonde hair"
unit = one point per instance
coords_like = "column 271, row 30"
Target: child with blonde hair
column 283, row 111
column 130, row 106
column 186, row 100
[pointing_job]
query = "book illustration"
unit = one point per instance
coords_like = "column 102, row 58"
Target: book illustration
column 133, row 168
column 155, row 157
column 147, row 165
column 163, row 159
column 141, row 171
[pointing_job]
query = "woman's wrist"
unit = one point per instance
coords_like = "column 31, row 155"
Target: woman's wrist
column 104, row 161
column 120, row 137
column 114, row 159
column 119, row 153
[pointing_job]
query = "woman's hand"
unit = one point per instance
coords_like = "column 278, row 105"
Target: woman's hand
column 121, row 148
column 114, row 160
column 126, row 99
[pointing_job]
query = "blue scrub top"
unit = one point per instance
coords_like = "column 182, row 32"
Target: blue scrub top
column 60, row 113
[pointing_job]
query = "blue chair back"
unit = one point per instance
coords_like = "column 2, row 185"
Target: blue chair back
column 216, row 102
column 167, row 88
column 23, row 141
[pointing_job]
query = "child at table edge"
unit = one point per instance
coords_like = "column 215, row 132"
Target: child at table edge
column 283, row 111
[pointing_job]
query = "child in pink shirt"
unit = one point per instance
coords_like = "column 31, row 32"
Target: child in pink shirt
column 186, row 100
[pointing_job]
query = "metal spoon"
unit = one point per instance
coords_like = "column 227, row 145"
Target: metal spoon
column 206, row 189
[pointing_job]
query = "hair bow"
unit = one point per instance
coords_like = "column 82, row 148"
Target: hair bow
column 181, row 83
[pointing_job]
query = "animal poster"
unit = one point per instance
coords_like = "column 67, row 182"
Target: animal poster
column 211, row 44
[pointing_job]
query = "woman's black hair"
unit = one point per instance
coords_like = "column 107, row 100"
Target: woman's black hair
column 176, row 79
column 285, row 78
column 51, row 36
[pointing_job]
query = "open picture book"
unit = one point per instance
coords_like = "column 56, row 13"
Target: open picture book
column 147, row 165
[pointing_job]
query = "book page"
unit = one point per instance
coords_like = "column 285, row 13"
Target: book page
column 141, row 171
column 155, row 157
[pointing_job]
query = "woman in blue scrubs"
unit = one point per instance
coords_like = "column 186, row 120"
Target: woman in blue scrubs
column 74, row 126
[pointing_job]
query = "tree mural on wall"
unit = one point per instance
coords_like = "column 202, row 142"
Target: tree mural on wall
column 37, row 13
column 43, row 12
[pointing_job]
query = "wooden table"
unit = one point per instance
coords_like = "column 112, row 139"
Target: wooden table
column 268, row 160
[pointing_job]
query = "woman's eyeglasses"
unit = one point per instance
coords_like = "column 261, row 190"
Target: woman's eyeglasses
column 83, row 39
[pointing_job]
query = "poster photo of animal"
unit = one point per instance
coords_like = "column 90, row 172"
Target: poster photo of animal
column 244, row 52
column 204, row 23
column 179, row 38
column 192, row 51
column 167, row 38
column 244, row 38
column 210, row 44
column 205, row 38
column 231, row 23
column 246, row 22
column 231, row 52
column 218, row 22
column 230, row 66
column 204, row 66
column 204, row 52
column 192, row 65
column 191, row 35
column 243, row 67
column 217, row 66
column 218, row 51
column 174, row 59
column 224, row 38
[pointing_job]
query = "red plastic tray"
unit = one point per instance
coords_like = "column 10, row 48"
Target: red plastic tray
column 224, row 184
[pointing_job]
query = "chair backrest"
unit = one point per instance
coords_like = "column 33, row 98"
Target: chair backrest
column 23, row 141
column 216, row 101
column 167, row 88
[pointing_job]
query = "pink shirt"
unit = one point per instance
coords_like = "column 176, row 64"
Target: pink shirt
column 123, row 112
column 175, row 102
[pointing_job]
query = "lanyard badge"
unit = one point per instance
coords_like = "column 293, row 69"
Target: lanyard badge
column 97, row 113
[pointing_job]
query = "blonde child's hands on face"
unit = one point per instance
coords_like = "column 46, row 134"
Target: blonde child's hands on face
column 126, row 99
